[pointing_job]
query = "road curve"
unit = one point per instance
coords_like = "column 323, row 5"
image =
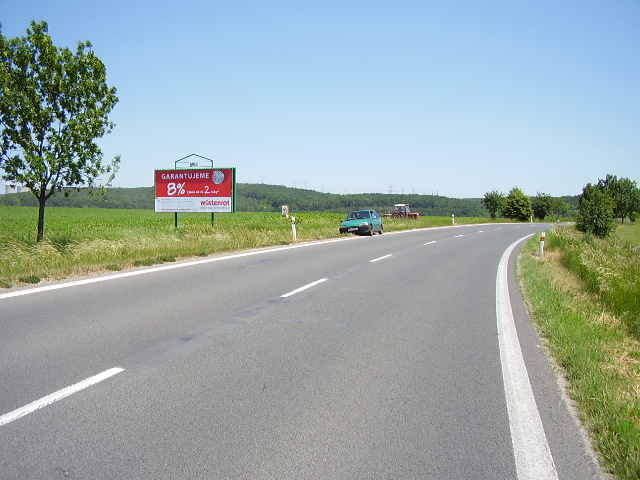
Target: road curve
column 362, row 357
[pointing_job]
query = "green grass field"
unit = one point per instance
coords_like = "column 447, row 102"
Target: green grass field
column 630, row 232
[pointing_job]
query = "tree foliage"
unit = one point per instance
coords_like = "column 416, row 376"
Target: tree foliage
column 625, row 195
column 493, row 202
column 54, row 103
column 560, row 207
column 596, row 211
column 517, row 205
column 541, row 205
column 264, row 197
column 544, row 205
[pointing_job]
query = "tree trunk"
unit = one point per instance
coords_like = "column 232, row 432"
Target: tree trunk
column 42, row 200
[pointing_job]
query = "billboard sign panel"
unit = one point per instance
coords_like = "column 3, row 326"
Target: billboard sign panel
column 195, row 190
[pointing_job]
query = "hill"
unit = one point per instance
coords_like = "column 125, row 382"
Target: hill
column 251, row 197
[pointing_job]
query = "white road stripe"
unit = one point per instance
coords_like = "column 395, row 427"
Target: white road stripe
column 298, row 290
column 530, row 447
column 380, row 258
column 429, row 243
column 60, row 394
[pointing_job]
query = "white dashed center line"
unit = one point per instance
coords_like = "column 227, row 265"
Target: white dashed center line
column 59, row 395
column 379, row 258
column 298, row 290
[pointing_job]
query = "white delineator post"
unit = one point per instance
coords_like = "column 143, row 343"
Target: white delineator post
column 453, row 219
column 542, row 238
column 293, row 229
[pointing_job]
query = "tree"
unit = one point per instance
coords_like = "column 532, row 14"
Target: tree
column 53, row 104
column 517, row 205
column 559, row 207
column 625, row 194
column 596, row 211
column 541, row 205
column 544, row 205
column 493, row 202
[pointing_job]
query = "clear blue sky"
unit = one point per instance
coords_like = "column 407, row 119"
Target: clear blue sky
column 450, row 97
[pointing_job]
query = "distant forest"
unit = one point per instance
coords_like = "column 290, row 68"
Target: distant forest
column 252, row 197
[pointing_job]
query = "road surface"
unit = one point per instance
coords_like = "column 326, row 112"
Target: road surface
column 401, row 356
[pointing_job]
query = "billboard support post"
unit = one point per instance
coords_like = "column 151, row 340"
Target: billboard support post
column 183, row 162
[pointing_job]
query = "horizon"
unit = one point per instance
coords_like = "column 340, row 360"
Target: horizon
column 4, row 192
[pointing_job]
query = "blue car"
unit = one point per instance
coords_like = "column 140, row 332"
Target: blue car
column 362, row 222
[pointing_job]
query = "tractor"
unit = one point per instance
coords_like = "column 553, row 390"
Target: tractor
column 402, row 210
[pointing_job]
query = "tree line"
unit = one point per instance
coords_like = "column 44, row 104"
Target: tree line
column 262, row 197
column 265, row 198
column 597, row 208
column 518, row 206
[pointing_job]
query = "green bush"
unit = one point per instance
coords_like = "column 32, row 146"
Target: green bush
column 517, row 205
column 596, row 210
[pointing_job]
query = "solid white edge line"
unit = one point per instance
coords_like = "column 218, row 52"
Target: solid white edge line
column 59, row 395
column 380, row 258
column 530, row 446
column 144, row 271
column 309, row 285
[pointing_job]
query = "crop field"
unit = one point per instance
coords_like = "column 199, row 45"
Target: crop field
column 80, row 241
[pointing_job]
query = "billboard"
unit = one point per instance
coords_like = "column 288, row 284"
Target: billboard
column 195, row 190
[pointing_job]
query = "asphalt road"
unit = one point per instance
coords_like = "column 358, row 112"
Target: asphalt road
column 388, row 357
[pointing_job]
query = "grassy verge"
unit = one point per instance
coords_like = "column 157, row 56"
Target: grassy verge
column 83, row 241
column 584, row 299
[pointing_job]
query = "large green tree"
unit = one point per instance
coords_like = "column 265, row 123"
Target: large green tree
column 54, row 104
column 625, row 194
column 596, row 211
column 493, row 202
column 542, row 205
column 517, row 205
